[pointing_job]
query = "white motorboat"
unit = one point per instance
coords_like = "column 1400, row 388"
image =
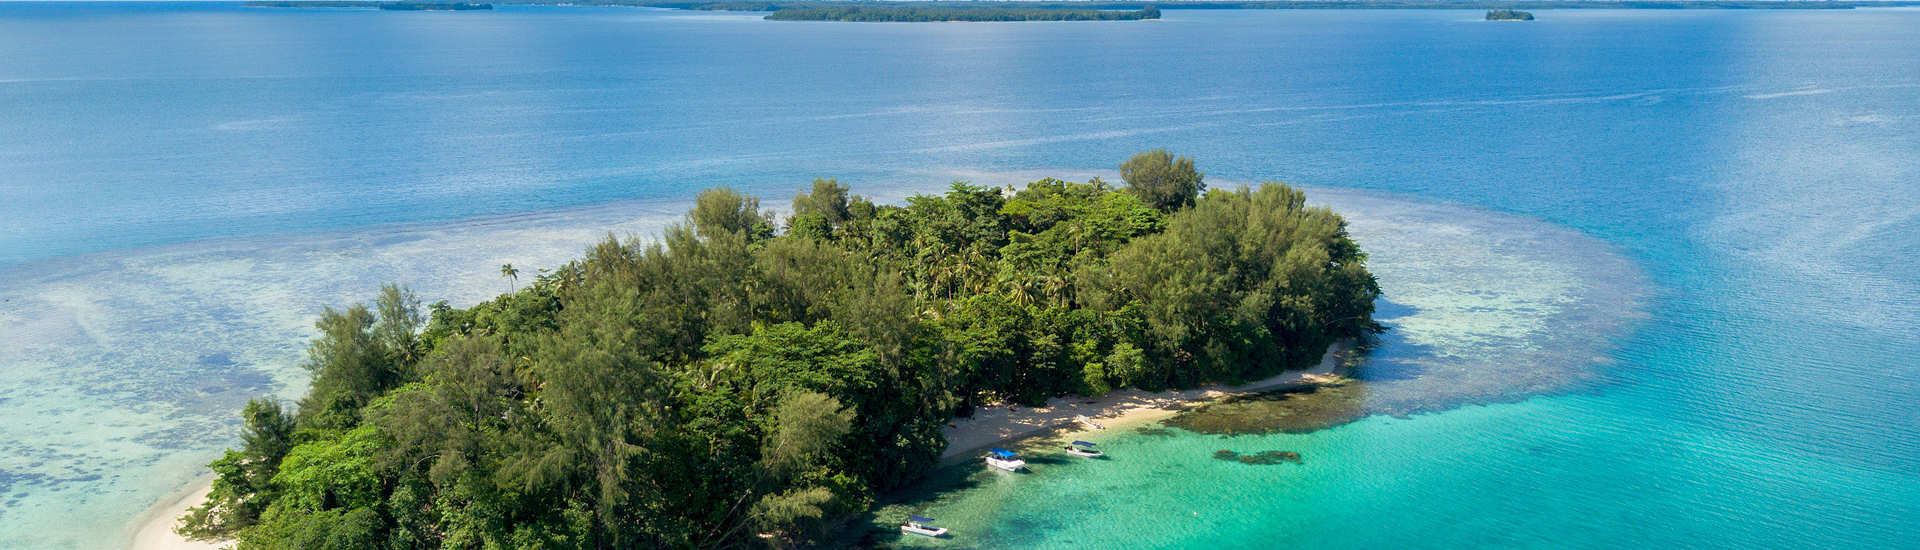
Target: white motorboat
column 1005, row 460
column 1085, row 449
column 921, row 526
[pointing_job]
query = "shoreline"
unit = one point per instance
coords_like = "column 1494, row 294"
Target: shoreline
column 155, row 531
column 989, row 427
column 996, row 426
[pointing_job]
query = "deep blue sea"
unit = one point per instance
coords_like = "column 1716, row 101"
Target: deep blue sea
column 1708, row 220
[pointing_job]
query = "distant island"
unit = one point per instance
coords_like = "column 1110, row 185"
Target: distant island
column 423, row 6
column 388, row 6
column 745, row 381
column 899, row 13
column 1508, row 15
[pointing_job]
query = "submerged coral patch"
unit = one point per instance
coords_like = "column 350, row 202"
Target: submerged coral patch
column 1262, row 458
column 1154, row 431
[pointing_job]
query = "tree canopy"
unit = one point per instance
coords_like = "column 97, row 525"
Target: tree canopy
column 1161, row 180
column 741, row 381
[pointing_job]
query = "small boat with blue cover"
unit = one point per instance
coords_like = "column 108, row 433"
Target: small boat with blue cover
column 1005, row 460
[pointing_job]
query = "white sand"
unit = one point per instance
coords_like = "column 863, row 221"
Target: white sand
column 995, row 425
column 156, row 529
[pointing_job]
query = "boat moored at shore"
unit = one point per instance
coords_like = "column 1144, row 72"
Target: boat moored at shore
column 1005, row 460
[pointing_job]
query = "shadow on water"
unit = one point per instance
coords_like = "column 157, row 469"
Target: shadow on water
column 1361, row 363
column 1386, row 310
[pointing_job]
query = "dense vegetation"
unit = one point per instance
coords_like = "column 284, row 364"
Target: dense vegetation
column 897, row 14
column 1508, row 15
column 742, row 383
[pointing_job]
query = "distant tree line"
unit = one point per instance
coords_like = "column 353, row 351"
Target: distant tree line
column 902, row 14
column 434, row 6
column 742, row 381
column 383, row 5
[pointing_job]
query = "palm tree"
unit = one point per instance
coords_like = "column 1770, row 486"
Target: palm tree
column 508, row 272
column 1019, row 289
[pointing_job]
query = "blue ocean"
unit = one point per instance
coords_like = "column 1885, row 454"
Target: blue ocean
column 1652, row 274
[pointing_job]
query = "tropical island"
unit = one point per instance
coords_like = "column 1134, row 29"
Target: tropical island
column 916, row 14
column 1508, row 15
column 434, row 6
column 387, row 6
column 744, row 379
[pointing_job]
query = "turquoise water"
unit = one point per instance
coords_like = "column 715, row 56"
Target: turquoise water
column 183, row 186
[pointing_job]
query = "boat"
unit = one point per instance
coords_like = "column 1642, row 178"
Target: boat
column 1082, row 448
column 1088, row 422
column 921, row 526
column 1005, row 460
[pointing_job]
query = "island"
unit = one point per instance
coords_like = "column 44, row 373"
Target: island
column 387, row 6
column 429, row 6
column 1508, row 15
column 899, row 13
column 745, row 377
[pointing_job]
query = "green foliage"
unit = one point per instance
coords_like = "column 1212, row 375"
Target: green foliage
column 1162, row 181
column 241, row 486
column 805, row 426
column 727, row 387
column 332, row 472
column 349, row 368
column 1242, row 284
column 399, row 325
column 722, row 210
column 827, row 199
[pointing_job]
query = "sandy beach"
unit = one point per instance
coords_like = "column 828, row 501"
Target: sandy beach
column 156, row 527
column 998, row 426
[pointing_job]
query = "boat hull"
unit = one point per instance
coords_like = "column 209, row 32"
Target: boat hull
column 934, row 532
column 1014, row 465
